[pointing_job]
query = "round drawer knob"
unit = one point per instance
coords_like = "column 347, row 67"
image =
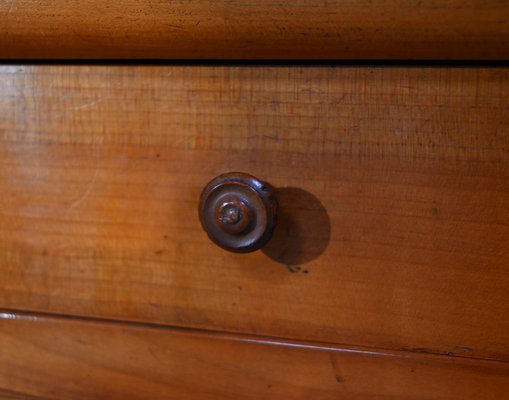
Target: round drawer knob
column 238, row 212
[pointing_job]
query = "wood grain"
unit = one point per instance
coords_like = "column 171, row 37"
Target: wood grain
column 263, row 29
column 71, row 359
column 101, row 169
column 10, row 395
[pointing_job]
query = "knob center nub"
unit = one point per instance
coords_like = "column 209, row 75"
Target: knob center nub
column 233, row 216
column 230, row 214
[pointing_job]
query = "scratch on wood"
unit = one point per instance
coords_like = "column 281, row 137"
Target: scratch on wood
column 87, row 192
column 9, row 8
column 86, row 105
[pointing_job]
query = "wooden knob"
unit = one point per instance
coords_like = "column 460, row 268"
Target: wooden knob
column 238, row 212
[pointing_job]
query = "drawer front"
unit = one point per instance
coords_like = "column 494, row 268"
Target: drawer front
column 94, row 360
column 393, row 186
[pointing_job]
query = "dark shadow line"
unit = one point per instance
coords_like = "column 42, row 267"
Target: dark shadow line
column 258, row 63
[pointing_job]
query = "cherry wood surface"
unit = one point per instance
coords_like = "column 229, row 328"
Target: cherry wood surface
column 393, row 186
column 262, row 29
column 50, row 358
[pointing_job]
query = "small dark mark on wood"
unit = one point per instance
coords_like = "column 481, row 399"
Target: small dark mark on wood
column 335, row 368
column 154, row 354
column 463, row 349
column 421, row 350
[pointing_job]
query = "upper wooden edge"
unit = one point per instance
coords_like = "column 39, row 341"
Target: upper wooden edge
column 263, row 29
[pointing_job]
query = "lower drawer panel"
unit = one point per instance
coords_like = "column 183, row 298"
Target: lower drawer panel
column 394, row 183
column 65, row 358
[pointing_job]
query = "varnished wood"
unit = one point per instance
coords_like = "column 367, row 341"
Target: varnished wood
column 404, row 170
column 262, row 29
column 71, row 359
column 10, row 395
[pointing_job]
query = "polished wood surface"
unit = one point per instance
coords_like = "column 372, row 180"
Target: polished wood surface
column 262, row 29
column 72, row 359
column 10, row 395
column 393, row 186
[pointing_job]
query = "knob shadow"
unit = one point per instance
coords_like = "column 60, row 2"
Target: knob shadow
column 303, row 229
